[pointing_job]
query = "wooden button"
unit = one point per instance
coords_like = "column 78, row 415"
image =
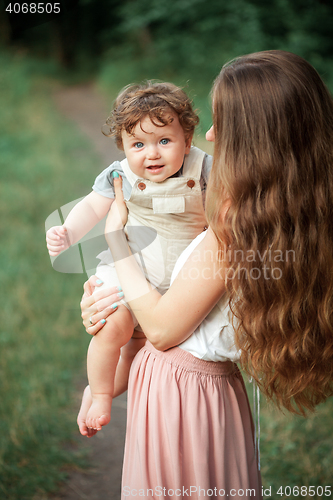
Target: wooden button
column 142, row 186
column 191, row 183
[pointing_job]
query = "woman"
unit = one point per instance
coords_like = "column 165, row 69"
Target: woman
column 269, row 246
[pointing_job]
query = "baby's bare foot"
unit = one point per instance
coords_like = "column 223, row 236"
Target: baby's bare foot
column 81, row 418
column 99, row 413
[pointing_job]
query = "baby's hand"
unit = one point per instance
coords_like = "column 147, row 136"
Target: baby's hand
column 57, row 240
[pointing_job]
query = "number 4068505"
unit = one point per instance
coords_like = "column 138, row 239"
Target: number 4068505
column 303, row 491
column 33, row 8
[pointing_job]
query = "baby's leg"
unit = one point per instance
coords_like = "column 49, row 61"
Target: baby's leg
column 103, row 356
column 127, row 355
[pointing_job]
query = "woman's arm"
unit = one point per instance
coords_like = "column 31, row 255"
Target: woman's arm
column 169, row 319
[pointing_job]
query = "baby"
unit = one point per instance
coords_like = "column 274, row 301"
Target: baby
column 164, row 182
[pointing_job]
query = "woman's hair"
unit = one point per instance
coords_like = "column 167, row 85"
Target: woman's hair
column 152, row 99
column 273, row 162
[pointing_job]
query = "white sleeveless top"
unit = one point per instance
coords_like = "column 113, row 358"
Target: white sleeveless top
column 214, row 339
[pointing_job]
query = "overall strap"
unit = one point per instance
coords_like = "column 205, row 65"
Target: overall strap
column 131, row 176
column 193, row 163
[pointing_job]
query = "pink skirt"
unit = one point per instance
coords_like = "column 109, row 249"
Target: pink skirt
column 189, row 429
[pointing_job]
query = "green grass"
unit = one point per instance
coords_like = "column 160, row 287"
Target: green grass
column 296, row 451
column 44, row 163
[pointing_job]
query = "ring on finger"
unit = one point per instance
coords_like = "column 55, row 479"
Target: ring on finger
column 90, row 321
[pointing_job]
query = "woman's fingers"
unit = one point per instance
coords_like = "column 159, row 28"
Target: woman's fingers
column 94, row 319
column 93, row 324
column 95, row 328
column 91, row 316
column 91, row 284
column 118, row 184
column 87, row 304
column 89, row 288
column 97, row 308
column 106, row 303
column 123, row 212
column 101, row 300
column 117, row 216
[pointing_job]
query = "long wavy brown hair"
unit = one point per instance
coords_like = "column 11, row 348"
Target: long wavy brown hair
column 273, row 161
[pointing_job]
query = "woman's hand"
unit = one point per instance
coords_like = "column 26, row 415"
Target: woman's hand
column 96, row 308
column 117, row 216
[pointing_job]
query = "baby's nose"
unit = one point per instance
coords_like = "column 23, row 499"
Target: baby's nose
column 152, row 152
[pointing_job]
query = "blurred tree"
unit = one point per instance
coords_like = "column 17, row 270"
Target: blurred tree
column 184, row 35
column 301, row 26
column 76, row 33
column 189, row 33
column 198, row 36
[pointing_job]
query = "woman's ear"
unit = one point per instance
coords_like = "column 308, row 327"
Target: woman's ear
column 225, row 207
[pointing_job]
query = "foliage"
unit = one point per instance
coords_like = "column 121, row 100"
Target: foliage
column 188, row 37
column 43, row 164
column 189, row 40
column 296, row 451
column 180, row 40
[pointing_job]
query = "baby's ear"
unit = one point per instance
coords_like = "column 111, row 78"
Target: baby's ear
column 188, row 143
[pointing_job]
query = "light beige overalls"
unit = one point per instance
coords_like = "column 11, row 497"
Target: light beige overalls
column 163, row 219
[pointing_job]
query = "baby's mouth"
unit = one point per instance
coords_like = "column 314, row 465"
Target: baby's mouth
column 155, row 168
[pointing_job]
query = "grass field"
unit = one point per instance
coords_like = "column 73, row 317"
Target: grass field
column 296, row 452
column 44, row 164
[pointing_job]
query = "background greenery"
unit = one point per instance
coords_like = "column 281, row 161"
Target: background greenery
column 113, row 43
column 118, row 41
column 41, row 341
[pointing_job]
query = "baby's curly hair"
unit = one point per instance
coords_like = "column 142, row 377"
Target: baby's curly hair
column 153, row 99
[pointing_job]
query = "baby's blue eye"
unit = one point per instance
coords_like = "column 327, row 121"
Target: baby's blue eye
column 164, row 141
column 138, row 145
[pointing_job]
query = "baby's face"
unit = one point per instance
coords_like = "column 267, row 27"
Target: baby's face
column 153, row 152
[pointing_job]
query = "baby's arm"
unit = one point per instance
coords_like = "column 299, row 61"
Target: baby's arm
column 81, row 219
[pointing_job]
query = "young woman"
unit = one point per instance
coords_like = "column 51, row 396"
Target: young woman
column 268, row 255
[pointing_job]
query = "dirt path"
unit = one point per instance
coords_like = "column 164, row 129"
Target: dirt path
column 84, row 106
